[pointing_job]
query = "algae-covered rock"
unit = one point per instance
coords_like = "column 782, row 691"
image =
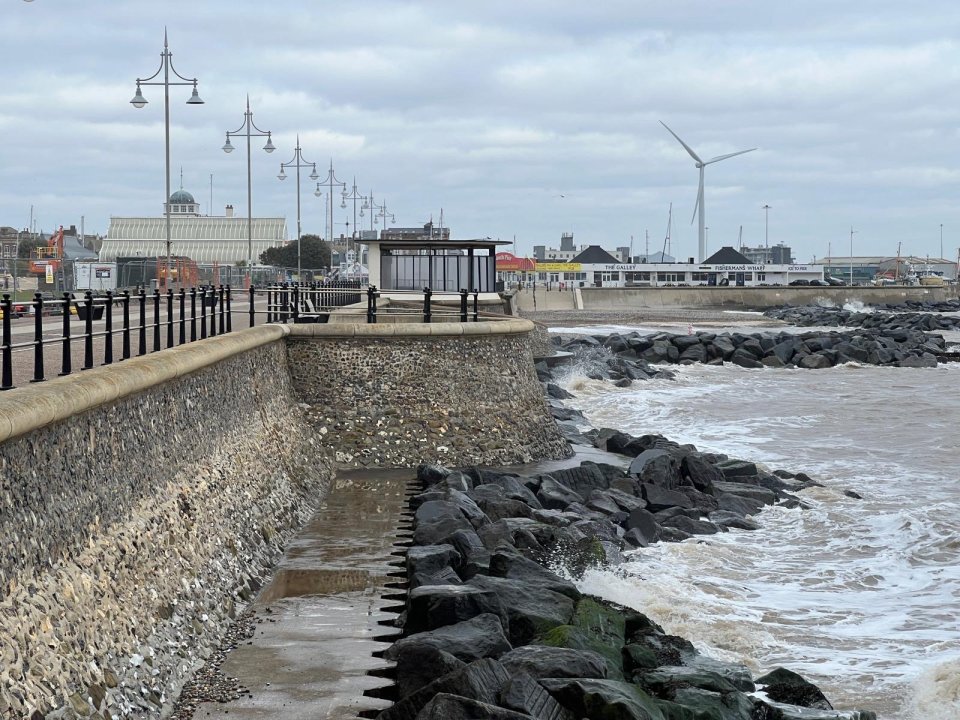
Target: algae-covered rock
column 603, row 699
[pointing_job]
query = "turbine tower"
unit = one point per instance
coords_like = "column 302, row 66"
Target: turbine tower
column 698, row 206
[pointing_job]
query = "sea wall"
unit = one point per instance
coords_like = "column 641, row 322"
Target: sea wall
column 594, row 298
column 141, row 505
column 391, row 395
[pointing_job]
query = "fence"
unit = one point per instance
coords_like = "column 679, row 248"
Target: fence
column 150, row 322
column 183, row 324
column 313, row 302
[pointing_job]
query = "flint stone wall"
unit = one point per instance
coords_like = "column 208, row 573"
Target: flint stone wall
column 133, row 531
column 392, row 395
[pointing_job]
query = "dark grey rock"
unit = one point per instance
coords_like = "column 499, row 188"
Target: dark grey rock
column 471, row 640
column 603, row 699
column 445, row 706
column 645, row 524
column 514, row 566
column 657, row 467
column 556, row 495
column 542, row 661
column 659, row 498
column 531, row 610
column 420, row 665
column 691, row 526
column 785, row 686
column 524, row 694
column 434, row 606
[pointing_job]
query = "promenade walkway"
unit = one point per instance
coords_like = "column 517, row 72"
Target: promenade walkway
column 316, row 622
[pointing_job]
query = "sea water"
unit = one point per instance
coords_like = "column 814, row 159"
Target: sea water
column 861, row 596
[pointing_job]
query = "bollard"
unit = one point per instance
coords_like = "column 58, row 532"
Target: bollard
column 6, row 380
column 88, row 331
column 66, row 362
column 427, row 311
column 463, row 305
column 229, row 311
column 253, row 316
column 108, row 330
column 476, row 313
column 126, row 325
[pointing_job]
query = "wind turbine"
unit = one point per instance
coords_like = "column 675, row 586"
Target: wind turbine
column 698, row 206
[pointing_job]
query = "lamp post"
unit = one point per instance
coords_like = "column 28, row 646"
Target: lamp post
column 249, row 130
column 298, row 162
column 354, row 196
column 766, row 227
column 330, row 182
column 166, row 66
column 852, row 231
column 941, row 241
column 382, row 213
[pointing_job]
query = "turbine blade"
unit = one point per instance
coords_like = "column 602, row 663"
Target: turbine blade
column 685, row 146
column 730, row 155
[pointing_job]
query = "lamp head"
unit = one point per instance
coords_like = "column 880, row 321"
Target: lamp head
column 317, row 191
column 194, row 97
column 138, row 99
column 343, row 203
column 313, row 174
column 269, row 147
column 227, row 147
column 282, row 175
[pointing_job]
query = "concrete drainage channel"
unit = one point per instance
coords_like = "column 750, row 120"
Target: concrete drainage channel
column 323, row 622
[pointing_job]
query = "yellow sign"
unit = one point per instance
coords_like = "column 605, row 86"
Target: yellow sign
column 49, row 273
column 558, row 267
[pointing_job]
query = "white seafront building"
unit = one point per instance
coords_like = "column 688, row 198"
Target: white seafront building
column 596, row 267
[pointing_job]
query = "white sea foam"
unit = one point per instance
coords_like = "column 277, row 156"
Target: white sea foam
column 862, row 596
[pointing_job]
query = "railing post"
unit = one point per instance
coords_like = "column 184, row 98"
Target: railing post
column 66, row 362
column 372, row 304
column 88, row 331
column 286, row 303
column 183, row 315
column 108, row 329
column 296, row 302
column 156, row 320
column 213, row 312
column 38, row 338
column 229, row 310
column 126, row 324
column 253, row 315
column 142, row 331
column 7, row 374
column 463, row 305
column 476, row 305
column 193, row 314
column 269, row 304
column 223, row 310
column 427, row 311
column 203, row 314
column 169, row 317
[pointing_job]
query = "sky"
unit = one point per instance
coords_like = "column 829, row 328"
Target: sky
column 522, row 120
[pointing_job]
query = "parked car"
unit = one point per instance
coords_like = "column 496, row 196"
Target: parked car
column 800, row 282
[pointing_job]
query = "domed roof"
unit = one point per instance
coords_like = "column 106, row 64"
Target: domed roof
column 182, row 197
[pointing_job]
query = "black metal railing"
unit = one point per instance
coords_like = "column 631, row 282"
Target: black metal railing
column 88, row 309
column 151, row 322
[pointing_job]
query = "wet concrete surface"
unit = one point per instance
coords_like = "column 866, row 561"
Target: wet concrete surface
column 318, row 620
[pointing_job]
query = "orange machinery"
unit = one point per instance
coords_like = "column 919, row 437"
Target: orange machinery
column 49, row 255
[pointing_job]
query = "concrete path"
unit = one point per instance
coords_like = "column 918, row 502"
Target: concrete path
column 317, row 621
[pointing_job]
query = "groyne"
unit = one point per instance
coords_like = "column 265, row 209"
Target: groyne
column 144, row 503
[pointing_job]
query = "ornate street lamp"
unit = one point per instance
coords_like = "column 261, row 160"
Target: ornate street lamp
column 249, row 130
column 298, row 162
column 166, row 66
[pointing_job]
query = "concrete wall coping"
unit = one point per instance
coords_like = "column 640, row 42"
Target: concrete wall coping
column 512, row 326
column 25, row 409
